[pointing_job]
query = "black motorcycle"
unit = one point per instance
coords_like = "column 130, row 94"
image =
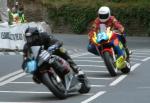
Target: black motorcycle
column 56, row 74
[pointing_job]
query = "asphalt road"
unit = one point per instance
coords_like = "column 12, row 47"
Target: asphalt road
column 18, row 87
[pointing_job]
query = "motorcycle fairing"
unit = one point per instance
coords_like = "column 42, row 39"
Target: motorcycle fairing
column 101, row 36
column 31, row 66
column 120, row 62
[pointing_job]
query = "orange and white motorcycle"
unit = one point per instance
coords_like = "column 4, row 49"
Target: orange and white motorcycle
column 110, row 48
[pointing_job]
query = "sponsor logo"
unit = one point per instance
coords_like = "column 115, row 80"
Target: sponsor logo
column 8, row 35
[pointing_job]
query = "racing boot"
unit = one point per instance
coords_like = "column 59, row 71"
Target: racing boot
column 80, row 74
column 123, row 40
column 82, row 78
column 76, row 69
column 72, row 64
column 129, row 52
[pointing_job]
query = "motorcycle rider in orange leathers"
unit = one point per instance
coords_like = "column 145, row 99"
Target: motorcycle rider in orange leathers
column 105, row 20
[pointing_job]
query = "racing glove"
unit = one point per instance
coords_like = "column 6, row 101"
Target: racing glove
column 52, row 48
column 24, row 64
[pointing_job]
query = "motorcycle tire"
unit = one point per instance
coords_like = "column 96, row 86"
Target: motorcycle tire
column 109, row 62
column 48, row 81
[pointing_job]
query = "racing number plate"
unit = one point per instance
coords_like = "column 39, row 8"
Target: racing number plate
column 120, row 60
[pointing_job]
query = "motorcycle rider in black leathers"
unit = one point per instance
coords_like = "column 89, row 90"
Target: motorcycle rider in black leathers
column 36, row 38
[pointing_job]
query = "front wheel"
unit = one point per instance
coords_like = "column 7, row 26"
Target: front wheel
column 57, row 88
column 109, row 62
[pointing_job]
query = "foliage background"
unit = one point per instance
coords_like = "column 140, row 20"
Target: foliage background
column 77, row 15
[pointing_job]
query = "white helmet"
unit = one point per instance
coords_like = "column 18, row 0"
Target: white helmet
column 104, row 13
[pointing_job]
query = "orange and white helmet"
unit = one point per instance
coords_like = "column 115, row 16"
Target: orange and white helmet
column 104, row 13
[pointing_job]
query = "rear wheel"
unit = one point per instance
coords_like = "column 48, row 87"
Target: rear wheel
column 57, row 88
column 109, row 62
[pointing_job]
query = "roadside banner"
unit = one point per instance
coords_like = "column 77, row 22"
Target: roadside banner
column 12, row 36
column 4, row 31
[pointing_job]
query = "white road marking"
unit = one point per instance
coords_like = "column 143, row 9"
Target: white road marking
column 25, row 92
column 99, row 78
column 86, row 94
column 145, row 59
column 138, row 56
column 144, row 50
column 92, row 61
column 132, row 62
column 86, row 71
column 91, row 71
column 92, row 54
column 135, row 59
column 92, row 66
column 10, row 75
column 12, row 79
column 22, row 83
column 79, row 54
column 135, row 66
column 94, row 97
column 88, row 61
column 94, row 78
column 143, row 53
column 35, row 92
column 120, row 78
column 35, row 83
column 11, row 53
column 98, row 86
column 89, row 57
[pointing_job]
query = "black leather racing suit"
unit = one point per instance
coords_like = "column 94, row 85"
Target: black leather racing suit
column 48, row 40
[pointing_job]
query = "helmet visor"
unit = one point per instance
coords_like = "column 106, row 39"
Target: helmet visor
column 103, row 16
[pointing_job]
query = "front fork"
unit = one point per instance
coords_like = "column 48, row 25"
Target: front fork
column 110, row 50
column 113, row 54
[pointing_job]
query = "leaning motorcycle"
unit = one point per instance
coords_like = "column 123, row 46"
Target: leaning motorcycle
column 105, row 46
column 56, row 74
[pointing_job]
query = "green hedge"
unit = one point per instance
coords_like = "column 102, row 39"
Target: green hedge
column 77, row 17
column 136, row 18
